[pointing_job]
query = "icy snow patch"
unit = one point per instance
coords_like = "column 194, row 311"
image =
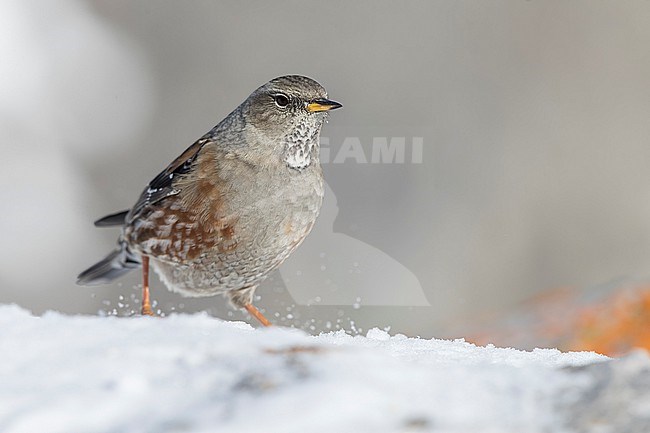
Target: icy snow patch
column 195, row 373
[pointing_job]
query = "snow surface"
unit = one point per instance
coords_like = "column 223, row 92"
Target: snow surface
column 195, row 373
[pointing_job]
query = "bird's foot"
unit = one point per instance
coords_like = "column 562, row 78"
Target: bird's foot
column 146, row 310
column 256, row 314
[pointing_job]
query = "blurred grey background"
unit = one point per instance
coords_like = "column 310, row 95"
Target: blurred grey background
column 534, row 118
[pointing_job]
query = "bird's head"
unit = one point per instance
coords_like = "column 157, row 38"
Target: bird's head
column 288, row 113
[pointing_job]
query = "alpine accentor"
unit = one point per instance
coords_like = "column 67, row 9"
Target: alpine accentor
column 234, row 205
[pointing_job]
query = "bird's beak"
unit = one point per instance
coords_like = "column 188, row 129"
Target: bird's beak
column 322, row 105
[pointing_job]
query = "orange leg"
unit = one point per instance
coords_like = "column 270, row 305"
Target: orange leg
column 256, row 314
column 146, row 303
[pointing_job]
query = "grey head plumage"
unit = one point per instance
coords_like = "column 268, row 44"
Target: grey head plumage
column 281, row 120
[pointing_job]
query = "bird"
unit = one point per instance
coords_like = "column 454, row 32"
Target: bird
column 233, row 206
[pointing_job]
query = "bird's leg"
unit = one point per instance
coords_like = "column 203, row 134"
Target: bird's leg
column 256, row 314
column 146, row 303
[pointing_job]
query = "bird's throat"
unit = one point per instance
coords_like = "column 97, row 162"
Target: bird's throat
column 301, row 148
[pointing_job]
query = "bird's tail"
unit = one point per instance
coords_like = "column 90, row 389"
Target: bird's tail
column 113, row 266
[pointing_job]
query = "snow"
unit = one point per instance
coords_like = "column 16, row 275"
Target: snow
column 195, row 373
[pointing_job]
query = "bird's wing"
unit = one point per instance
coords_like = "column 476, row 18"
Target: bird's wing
column 182, row 213
column 162, row 186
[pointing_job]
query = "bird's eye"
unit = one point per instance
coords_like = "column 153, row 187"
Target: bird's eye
column 281, row 100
